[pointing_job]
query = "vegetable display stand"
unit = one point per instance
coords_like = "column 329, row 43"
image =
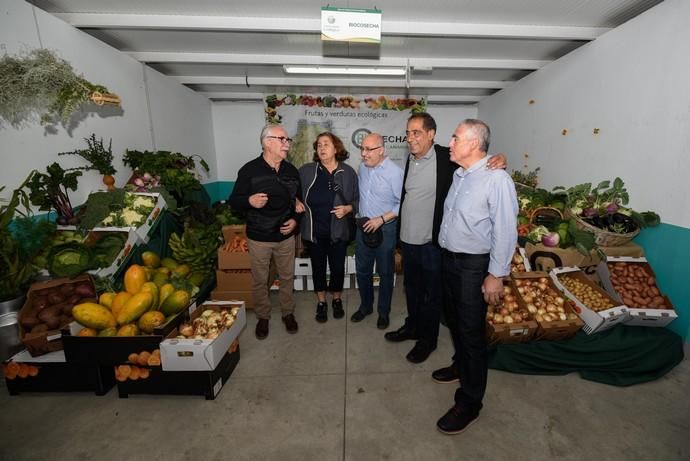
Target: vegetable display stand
column 602, row 237
column 42, row 376
column 159, row 382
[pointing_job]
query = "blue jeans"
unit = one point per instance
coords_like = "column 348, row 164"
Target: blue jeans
column 463, row 275
column 423, row 290
column 384, row 258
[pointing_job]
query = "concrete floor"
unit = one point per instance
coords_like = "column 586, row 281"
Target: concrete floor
column 339, row 391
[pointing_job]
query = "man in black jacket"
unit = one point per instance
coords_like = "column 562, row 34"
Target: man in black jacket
column 267, row 188
column 428, row 176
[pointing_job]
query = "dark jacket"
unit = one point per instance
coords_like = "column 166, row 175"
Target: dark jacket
column 444, row 179
column 345, row 178
column 282, row 187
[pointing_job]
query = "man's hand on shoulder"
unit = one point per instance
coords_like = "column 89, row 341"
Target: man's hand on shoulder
column 497, row 162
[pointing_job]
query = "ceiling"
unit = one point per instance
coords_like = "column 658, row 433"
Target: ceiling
column 455, row 51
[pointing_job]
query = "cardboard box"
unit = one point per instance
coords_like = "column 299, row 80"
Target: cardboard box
column 55, row 375
column 303, row 266
column 594, row 321
column 237, row 230
column 246, row 296
column 122, row 257
column 639, row 315
column 143, row 232
column 51, row 340
column 205, row 383
column 237, row 279
column 525, row 261
column 545, row 258
column 556, row 330
column 233, row 260
column 202, row 354
column 350, row 266
column 506, row 333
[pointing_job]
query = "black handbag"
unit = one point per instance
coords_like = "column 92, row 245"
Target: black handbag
column 351, row 222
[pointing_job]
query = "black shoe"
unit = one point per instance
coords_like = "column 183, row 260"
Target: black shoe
column 457, row 419
column 446, row 375
column 383, row 322
column 321, row 312
column 338, row 311
column 358, row 316
column 401, row 334
column 290, row 324
column 261, row 329
column 419, row 353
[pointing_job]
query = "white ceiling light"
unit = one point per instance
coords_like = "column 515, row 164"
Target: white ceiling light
column 333, row 70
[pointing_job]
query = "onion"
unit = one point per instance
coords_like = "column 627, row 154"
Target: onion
column 504, row 311
column 519, row 283
column 508, row 319
column 559, row 300
column 538, row 318
column 542, row 286
column 528, row 299
column 507, row 291
column 551, row 239
column 562, row 316
column 541, row 311
column 509, row 297
column 531, row 308
column 498, row 318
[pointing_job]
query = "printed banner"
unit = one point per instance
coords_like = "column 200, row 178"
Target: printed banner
column 349, row 118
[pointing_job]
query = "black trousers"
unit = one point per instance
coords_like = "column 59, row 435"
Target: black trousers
column 463, row 276
column 423, row 290
column 323, row 250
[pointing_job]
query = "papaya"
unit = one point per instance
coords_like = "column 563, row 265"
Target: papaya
column 176, row 302
column 150, row 320
column 135, row 277
column 160, row 279
column 163, row 270
column 151, row 287
column 128, row 330
column 106, row 299
column 165, row 291
column 151, row 259
column 108, row 332
column 149, row 273
column 94, row 316
column 87, row 332
column 118, row 303
column 169, row 263
column 134, row 308
column 182, row 270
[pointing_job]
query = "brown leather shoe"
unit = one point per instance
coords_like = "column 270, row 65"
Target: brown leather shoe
column 290, row 324
column 261, row 329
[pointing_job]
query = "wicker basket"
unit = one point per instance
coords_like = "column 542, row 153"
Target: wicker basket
column 545, row 211
column 601, row 237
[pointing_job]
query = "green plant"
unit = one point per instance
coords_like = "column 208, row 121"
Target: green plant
column 49, row 191
column 177, row 171
column 100, row 158
column 39, row 82
column 15, row 259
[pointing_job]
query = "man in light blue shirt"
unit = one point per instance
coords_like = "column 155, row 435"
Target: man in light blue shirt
column 380, row 185
column 478, row 236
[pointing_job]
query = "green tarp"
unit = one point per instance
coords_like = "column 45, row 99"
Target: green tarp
column 621, row 356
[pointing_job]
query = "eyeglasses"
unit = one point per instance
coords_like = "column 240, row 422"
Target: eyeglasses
column 366, row 150
column 281, row 138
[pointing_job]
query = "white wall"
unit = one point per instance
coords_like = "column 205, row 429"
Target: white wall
column 236, row 127
column 632, row 83
column 181, row 118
